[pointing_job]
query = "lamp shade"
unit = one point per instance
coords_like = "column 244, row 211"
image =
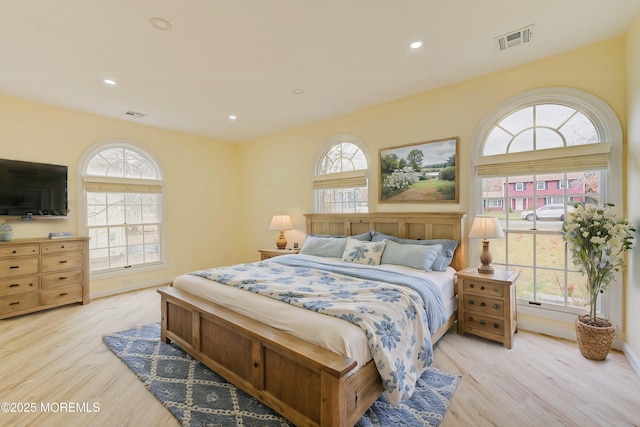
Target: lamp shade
column 486, row 227
column 280, row 223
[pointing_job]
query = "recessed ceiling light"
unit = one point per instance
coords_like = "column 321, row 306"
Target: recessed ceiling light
column 160, row 24
column 233, row 117
column 416, row 44
column 109, row 82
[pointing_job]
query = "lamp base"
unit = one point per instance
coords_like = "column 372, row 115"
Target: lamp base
column 486, row 269
column 281, row 243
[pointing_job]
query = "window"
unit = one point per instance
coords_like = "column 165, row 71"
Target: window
column 563, row 143
column 340, row 183
column 123, row 200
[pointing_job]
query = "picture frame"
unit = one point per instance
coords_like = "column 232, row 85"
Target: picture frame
column 422, row 172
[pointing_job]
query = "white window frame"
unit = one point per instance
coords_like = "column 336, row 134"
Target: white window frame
column 83, row 178
column 357, row 175
column 519, row 186
column 608, row 126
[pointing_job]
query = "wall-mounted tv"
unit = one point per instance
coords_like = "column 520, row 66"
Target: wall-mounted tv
column 32, row 189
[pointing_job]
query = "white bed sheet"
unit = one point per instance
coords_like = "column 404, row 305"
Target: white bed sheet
column 329, row 332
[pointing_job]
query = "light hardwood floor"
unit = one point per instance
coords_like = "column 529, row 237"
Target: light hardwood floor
column 58, row 356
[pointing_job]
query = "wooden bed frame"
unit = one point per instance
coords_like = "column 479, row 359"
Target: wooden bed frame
column 307, row 384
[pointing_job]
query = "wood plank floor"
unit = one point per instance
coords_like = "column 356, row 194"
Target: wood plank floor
column 58, row 356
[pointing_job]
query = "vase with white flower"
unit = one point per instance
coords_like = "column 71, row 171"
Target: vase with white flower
column 6, row 233
column 597, row 239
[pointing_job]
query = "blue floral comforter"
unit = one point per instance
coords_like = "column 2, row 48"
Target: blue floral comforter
column 396, row 312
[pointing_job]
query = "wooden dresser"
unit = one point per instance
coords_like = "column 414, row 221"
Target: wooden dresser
column 37, row 274
column 487, row 304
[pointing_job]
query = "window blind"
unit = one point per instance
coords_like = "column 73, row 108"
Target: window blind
column 121, row 187
column 553, row 160
column 340, row 180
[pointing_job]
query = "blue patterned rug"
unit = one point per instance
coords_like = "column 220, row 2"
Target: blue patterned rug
column 196, row 396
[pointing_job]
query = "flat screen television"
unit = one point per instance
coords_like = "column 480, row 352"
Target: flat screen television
column 32, row 189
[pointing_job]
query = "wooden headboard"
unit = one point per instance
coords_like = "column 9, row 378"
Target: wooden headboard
column 410, row 225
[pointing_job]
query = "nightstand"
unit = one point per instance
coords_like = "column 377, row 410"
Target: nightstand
column 487, row 304
column 270, row 253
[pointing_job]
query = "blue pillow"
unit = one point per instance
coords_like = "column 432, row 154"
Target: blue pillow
column 444, row 258
column 324, row 246
column 365, row 237
column 420, row 257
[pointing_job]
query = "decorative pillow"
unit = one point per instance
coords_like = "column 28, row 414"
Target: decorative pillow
column 324, row 246
column 442, row 260
column 368, row 253
column 420, row 257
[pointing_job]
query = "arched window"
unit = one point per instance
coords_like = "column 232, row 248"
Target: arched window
column 340, row 183
column 536, row 156
column 123, row 201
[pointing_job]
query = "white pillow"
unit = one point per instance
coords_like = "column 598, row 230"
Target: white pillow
column 368, row 253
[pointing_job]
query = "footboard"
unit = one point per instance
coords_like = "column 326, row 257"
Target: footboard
column 304, row 382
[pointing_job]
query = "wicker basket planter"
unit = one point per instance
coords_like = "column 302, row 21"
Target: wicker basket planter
column 594, row 342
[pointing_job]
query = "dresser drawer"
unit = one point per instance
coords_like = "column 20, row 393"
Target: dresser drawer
column 19, row 302
column 486, row 289
column 10, row 267
column 18, row 285
column 483, row 304
column 484, row 323
column 62, row 262
column 62, row 295
column 19, row 250
column 62, row 246
column 63, row 278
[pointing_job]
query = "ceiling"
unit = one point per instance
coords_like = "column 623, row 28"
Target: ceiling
column 249, row 57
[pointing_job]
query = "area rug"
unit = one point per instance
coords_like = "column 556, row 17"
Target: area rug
column 197, row 396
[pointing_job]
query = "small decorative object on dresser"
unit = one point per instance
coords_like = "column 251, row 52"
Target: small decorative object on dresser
column 6, row 233
column 37, row 274
column 487, row 304
column 270, row 253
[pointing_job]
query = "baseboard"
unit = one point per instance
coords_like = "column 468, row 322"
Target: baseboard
column 130, row 288
column 632, row 357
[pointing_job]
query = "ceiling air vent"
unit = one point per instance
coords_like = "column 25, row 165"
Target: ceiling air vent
column 134, row 114
column 514, row 38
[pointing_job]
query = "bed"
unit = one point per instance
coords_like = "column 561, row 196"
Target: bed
column 309, row 383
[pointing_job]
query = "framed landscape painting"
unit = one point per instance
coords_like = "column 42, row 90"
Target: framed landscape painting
column 424, row 172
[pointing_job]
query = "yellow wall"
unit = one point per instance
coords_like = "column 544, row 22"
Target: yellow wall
column 201, row 185
column 632, row 314
column 287, row 159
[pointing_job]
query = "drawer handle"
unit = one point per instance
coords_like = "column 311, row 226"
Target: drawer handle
column 14, row 285
column 496, row 306
column 14, row 252
column 482, row 322
column 472, row 285
column 62, row 247
column 495, row 325
column 14, row 266
column 255, row 364
column 482, row 304
column 471, row 302
column 15, row 303
column 64, row 293
column 482, row 288
column 62, row 278
column 63, row 261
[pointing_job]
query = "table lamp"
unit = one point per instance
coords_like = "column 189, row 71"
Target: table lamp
column 281, row 223
column 485, row 228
